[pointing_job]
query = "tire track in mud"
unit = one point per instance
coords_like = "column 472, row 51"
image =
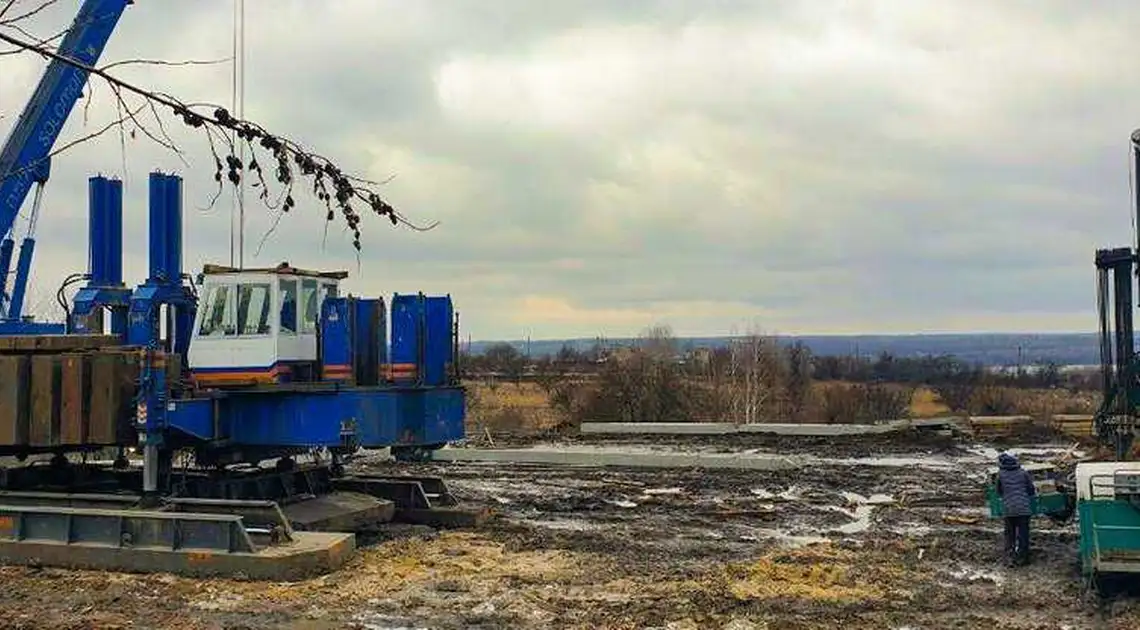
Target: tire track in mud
column 928, row 522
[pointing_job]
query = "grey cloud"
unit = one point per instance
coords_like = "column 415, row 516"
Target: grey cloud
column 817, row 166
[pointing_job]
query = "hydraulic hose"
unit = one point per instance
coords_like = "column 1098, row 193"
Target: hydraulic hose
column 62, row 300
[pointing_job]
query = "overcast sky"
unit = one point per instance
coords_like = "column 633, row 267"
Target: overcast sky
column 598, row 166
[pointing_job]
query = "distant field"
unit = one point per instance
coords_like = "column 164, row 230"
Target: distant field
column 509, row 407
column 525, row 407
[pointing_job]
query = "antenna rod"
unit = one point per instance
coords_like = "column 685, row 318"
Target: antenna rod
column 240, row 113
column 237, row 107
column 1136, row 185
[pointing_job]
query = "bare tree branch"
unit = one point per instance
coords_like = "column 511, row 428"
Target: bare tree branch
column 23, row 16
column 40, row 41
column 330, row 184
column 7, row 5
column 160, row 62
column 91, row 136
column 162, row 129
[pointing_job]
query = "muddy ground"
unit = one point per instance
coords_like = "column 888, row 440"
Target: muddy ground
column 877, row 533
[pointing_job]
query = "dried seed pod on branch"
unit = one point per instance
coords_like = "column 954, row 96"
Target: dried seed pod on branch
column 338, row 190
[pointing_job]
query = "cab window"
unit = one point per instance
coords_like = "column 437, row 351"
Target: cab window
column 328, row 291
column 288, row 306
column 218, row 316
column 253, row 309
column 309, row 299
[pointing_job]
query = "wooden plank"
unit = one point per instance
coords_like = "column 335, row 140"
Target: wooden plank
column 106, row 398
column 44, row 422
column 114, row 375
column 75, row 401
column 15, row 381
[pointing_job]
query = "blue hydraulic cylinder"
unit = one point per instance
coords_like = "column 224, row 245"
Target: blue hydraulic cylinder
column 24, row 157
column 165, row 228
column 6, row 248
column 164, row 285
column 105, row 245
column 104, row 288
column 23, row 269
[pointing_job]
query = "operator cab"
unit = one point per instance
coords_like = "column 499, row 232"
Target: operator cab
column 258, row 326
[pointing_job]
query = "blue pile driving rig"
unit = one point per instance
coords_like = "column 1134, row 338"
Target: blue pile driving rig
column 243, row 389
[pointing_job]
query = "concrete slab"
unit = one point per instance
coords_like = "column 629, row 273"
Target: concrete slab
column 310, row 554
column 339, row 512
column 824, row 430
column 595, row 458
column 659, row 428
column 727, row 428
column 445, row 518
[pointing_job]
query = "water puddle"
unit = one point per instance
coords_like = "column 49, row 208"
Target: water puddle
column 654, row 492
column 783, row 538
column 376, row 621
column 861, row 514
column 974, row 574
column 568, row 525
column 1036, row 452
column 929, row 463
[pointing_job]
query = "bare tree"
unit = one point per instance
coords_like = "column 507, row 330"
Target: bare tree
column 799, row 379
column 658, row 342
column 757, row 374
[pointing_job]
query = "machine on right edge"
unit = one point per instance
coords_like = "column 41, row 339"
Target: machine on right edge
column 1107, row 493
column 1104, row 495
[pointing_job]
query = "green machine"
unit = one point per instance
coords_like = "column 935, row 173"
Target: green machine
column 1105, row 495
column 1051, row 500
column 1108, row 515
column 1108, row 493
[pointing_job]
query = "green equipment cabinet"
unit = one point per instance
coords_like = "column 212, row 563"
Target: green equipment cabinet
column 1108, row 512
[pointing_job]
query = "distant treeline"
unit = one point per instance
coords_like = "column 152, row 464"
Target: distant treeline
column 990, row 350
column 758, row 379
column 508, row 361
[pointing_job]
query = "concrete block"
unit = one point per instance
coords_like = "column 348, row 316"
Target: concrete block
column 310, row 554
column 727, row 428
column 595, row 458
column 658, row 428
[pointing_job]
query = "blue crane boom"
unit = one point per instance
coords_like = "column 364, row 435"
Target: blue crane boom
column 25, row 158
